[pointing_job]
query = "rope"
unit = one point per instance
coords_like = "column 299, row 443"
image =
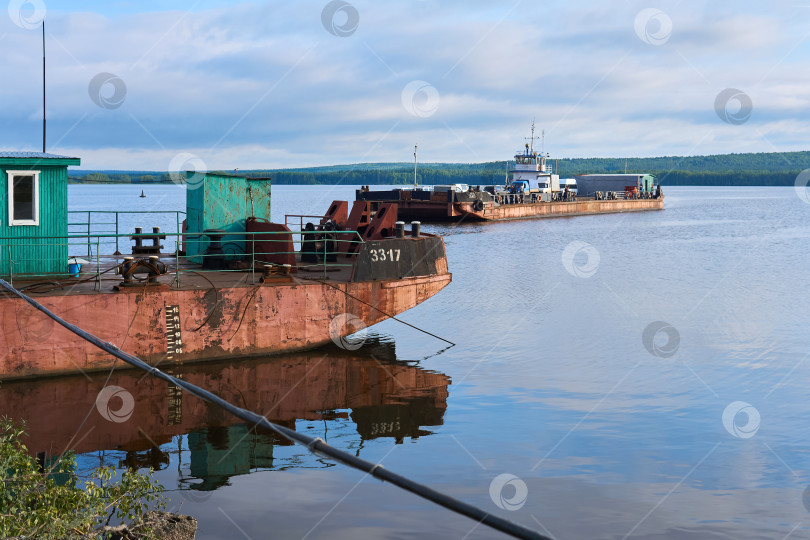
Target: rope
column 378, row 309
column 50, row 286
column 315, row 445
column 244, row 312
column 216, row 304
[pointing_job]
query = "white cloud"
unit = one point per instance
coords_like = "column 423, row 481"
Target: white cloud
column 266, row 83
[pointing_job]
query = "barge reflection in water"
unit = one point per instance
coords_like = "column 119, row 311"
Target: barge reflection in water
column 138, row 421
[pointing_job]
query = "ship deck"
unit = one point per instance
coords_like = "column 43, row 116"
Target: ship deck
column 98, row 277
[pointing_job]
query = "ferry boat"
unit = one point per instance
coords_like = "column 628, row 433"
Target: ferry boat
column 235, row 285
column 535, row 191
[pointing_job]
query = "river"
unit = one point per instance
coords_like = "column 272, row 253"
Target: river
column 614, row 376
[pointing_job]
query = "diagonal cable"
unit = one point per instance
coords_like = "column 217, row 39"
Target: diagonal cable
column 313, row 444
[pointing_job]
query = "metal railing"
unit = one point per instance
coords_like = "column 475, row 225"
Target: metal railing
column 32, row 258
column 296, row 221
column 112, row 222
column 300, row 220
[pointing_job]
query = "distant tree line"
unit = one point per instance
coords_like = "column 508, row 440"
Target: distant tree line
column 771, row 169
column 424, row 176
column 119, row 178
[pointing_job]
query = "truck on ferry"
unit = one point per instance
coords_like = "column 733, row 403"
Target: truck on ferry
column 534, row 191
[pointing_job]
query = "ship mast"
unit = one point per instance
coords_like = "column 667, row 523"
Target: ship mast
column 43, row 85
column 532, row 138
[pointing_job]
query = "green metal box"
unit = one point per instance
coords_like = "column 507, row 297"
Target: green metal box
column 222, row 201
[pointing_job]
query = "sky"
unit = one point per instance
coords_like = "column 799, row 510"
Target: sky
column 158, row 85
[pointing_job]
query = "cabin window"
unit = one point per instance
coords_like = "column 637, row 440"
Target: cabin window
column 23, row 197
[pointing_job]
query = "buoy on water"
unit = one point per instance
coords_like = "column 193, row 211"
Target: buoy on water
column 142, row 194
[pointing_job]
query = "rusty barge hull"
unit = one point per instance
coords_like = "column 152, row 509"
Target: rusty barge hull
column 340, row 282
column 559, row 209
column 444, row 207
column 339, row 380
column 236, row 321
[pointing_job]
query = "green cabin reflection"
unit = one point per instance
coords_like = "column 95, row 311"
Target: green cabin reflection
column 351, row 397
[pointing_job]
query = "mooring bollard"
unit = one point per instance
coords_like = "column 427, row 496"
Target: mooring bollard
column 155, row 260
column 400, row 225
column 415, row 226
column 138, row 240
column 139, row 237
column 125, row 266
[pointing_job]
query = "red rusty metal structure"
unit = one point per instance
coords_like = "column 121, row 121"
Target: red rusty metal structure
column 230, row 312
column 383, row 222
column 358, row 220
column 338, row 213
column 275, row 249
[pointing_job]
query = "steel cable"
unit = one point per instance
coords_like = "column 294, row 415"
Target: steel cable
column 313, row 444
column 347, row 293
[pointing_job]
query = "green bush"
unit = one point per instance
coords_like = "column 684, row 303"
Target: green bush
column 57, row 503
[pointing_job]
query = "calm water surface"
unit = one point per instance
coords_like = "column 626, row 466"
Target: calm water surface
column 640, row 375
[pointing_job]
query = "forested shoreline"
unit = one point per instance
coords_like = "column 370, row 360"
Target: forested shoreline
column 767, row 169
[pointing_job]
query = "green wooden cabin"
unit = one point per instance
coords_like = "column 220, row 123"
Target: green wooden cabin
column 33, row 213
column 222, row 201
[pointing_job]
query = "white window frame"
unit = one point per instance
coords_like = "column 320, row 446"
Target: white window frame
column 11, row 221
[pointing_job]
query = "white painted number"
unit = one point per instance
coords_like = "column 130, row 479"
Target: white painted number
column 381, row 255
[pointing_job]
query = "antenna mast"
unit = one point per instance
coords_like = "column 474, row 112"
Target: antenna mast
column 414, row 165
column 43, row 86
column 531, row 151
